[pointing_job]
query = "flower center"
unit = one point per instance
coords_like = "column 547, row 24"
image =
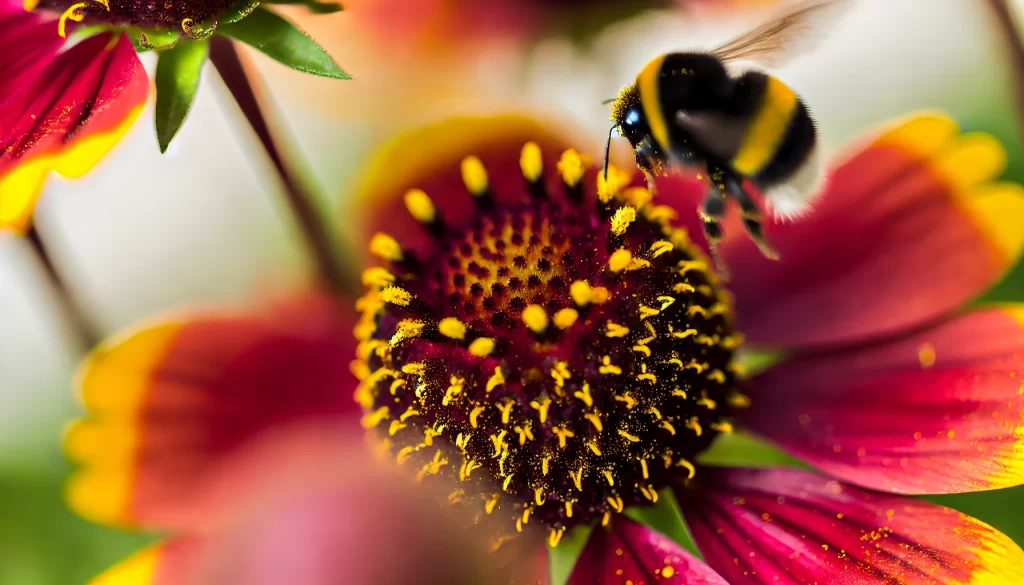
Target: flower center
column 560, row 359
column 183, row 16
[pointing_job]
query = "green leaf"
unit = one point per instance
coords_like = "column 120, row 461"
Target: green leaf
column 562, row 558
column 177, row 78
column 284, row 42
column 314, row 6
column 665, row 517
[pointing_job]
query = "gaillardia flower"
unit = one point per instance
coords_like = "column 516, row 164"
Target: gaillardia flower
column 64, row 104
column 554, row 350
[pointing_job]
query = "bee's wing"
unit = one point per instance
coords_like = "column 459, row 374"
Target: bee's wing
column 780, row 40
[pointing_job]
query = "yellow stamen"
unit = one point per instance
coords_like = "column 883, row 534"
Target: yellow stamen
column 74, row 12
column 396, row 296
column 385, row 247
column 474, row 175
column 452, row 327
column 566, row 318
column 531, row 162
column 481, row 346
column 496, row 379
column 420, row 206
column 619, row 260
column 570, row 167
column 621, row 220
column 536, row 318
column 581, row 293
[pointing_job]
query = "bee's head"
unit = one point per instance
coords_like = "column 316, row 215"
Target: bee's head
column 628, row 115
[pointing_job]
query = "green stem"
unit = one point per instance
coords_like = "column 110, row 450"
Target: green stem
column 225, row 58
column 86, row 332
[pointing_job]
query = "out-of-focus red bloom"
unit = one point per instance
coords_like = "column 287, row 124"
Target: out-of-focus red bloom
column 321, row 512
column 62, row 107
column 555, row 349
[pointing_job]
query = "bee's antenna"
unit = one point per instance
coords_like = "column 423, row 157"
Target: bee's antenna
column 607, row 150
column 608, row 101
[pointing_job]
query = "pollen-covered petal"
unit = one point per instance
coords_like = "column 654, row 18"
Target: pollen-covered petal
column 434, row 159
column 167, row 403
column 939, row 411
column 170, row 563
column 629, row 552
column 60, row 111
column 908, row 228
column 793, row 527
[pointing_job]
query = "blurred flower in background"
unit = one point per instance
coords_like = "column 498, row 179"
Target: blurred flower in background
column 128, row 252
column 503, row 344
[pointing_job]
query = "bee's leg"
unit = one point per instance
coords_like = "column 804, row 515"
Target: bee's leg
column 751, row 216
column 712, row 211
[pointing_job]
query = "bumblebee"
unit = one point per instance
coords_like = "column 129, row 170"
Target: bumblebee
column 691, row 110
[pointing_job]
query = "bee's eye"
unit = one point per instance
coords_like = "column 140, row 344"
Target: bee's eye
column 633, row 117
column 634, row 127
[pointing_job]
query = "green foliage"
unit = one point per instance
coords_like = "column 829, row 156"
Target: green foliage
column 177, row 79
column 284, row 42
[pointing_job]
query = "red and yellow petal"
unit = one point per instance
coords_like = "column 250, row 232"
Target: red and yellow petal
column 168, row 403
column 431, row 159
column 939, row 411
column 911, row 226
column 170, row 563
column 66, row 111
column 630, row 552
column 793, row 527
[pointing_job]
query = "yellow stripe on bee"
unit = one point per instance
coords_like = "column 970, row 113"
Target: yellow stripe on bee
column 767, row 129
column 647, row 83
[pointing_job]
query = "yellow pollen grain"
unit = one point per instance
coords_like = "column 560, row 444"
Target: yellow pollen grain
column 541, row 406
column 407, row 329
column 474, row 175
column 577, row 478
column 530, row 162
column 556, row 536
column 385, row 247
column 420, row 207
column 571, row 168
column 619, row 260
column 474, row 415
column 690, row 469
column 616, row 330
column 481, row 347
column 581, row 293
column 506, row 411
column 415, row 369
column 628, row 436
column 566, row 318
column 563, row 434
column 621, row 220
column 396, row 296
column 609, row 477
column 497, row 379
column 536, row 318
column 926, row 355
column 452, row 327
column 661, row 247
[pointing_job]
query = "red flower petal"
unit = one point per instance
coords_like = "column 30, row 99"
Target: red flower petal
column 429, row 159
column 907, row 229
column 170, row 563
column 630, row 552
column 792, row 527
column 936, row 412
column 169, row 402
column 59, row 111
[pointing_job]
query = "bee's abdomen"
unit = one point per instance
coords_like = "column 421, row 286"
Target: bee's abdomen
column 793, row 151
column 780, row 133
